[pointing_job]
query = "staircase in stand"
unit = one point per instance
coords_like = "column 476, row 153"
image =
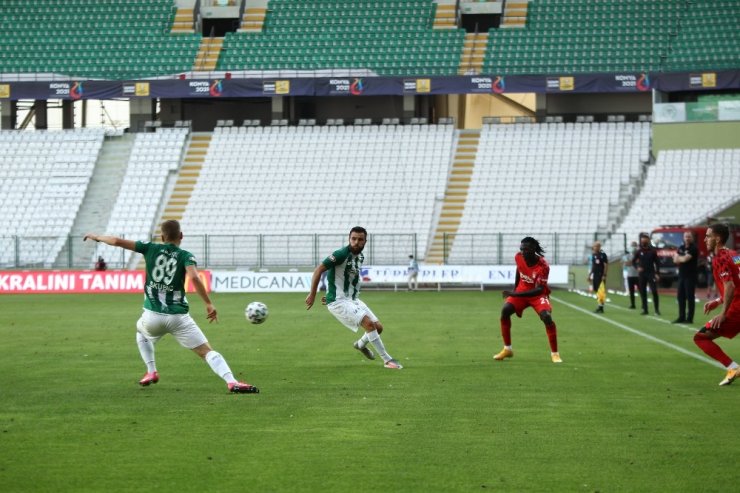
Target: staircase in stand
column 444, row 17
column 195, row 156
column 515, row 14
column 456, row 195
column 208, row 53
column 474, row 52
column 253, row 19
column 183, row 22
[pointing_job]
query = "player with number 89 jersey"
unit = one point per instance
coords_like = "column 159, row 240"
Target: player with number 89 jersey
column 164, row 291
column 166, row 307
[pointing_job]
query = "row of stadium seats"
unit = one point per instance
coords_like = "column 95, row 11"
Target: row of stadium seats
column 552, row 178
column 114, row 40
column 43, row 179
column 89, row 38
column 711, row 186
column 581, row 36
column 709, row 37
column 291, row 181
column 360, row 34
column 290, row 184
column 576, row 37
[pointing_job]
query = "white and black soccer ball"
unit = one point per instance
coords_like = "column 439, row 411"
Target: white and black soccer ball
column 256, row 312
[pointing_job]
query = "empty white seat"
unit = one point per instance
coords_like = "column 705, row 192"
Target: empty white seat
column 43, row 177
column 302, row 180
column 540, row 179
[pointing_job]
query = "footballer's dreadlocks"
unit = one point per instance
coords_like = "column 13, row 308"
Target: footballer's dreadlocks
column 535, row 245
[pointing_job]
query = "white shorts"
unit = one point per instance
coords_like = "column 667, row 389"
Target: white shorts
column 351, row 313
column 153, row 326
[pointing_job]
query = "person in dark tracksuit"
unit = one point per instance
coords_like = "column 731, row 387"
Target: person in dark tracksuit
column 646, row 263
column 686, row 258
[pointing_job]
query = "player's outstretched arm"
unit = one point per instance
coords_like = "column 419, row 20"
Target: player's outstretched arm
column 200, row 288
column 111, row 240
column 314, row 285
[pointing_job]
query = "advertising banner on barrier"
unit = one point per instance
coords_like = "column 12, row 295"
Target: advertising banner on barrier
column 260, row 282
column 42, row 281
column 50, row 281
column 495, row 275
column 224, row 86
column 293, row 282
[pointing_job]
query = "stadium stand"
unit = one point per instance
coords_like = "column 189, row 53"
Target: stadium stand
column 43, row 180
column 690, row 184
column 389, row 37
column 154, row 157
column 708, row 37
column 549, row 178
column 128, row 40
column 93, row 38
column 576, row 37
column 309, row 179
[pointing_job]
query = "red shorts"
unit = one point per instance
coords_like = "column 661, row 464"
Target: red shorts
column 539, row 303
column 730, row 327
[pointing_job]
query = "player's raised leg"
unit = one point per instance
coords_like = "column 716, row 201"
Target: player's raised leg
column 221, row 368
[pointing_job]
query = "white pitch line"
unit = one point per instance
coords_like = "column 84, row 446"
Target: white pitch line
column 651, row 317
column 641, row 334
column 680, row 326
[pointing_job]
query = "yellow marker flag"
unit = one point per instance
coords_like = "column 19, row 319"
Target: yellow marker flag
column 601, row 293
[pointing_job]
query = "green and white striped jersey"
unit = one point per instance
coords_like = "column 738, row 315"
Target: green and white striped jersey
column 343, row 275
column 164, row 291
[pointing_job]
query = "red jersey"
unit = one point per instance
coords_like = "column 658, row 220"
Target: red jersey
column 532, row 277
column 726, row 267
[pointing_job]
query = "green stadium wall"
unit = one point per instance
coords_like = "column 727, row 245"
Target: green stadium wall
column 703, row 135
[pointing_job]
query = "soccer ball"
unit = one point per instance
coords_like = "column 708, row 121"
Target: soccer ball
column 256, row 312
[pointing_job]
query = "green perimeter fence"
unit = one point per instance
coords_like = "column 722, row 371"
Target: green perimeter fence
column 303, row 251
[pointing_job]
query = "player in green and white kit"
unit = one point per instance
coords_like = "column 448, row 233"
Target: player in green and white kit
column 344, row 268
column 166, row 307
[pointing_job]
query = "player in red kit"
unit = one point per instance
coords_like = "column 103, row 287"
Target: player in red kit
column 727, row 279
column 532, row 271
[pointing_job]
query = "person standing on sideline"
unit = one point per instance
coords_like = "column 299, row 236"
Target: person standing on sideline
column 711, row 291
column 727, row 278
column 686, row 258
column 344, row 268
column 597, row 274
column 166, row 308
column 530, row 281
column 646, row 263
column 629, row 272
column 413, row 273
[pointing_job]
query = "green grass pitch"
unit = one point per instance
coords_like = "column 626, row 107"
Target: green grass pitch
column 624, row 412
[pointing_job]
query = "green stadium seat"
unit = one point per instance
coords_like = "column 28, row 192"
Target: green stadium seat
column 342, row 34
column 91, row 38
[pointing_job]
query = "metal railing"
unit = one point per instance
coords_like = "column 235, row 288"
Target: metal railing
column 499, row 248
column 270, row 251
column 304, row 251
